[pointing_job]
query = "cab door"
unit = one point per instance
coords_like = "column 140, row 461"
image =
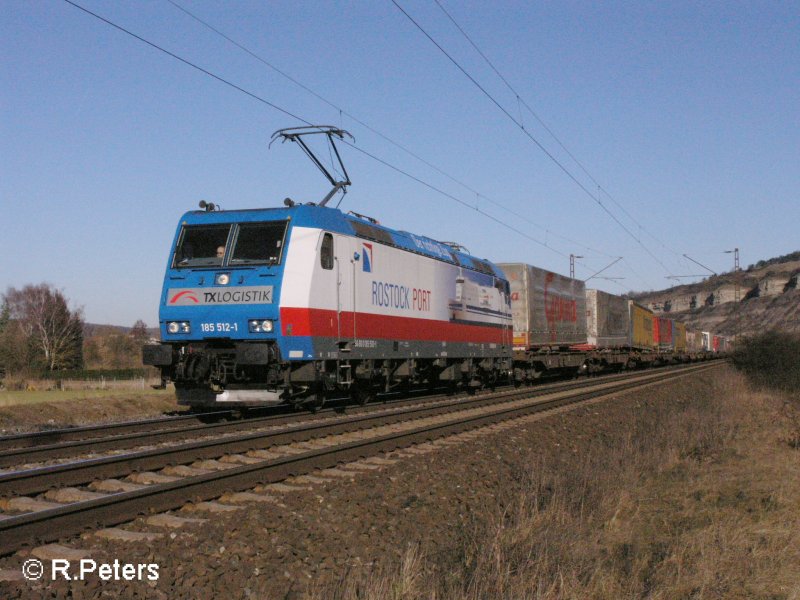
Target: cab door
column 346, row 263
column 329, row 286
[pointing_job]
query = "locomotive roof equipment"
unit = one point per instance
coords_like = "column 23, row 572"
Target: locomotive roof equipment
column 296, row 134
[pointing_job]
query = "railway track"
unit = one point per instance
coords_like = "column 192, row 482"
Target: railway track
column 205, row 469
column 30, row 449
column 90, row 432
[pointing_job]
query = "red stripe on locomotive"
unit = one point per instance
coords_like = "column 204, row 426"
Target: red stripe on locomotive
column 317, row 322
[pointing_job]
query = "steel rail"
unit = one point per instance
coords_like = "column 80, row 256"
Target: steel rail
column 52, row 524
column 52, row 436
column 157, row 431
column 37, row 480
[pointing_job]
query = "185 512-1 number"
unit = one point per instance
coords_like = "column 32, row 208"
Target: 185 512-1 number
column 219, row 327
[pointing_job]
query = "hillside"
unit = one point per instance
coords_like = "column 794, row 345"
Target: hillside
column 769, row 297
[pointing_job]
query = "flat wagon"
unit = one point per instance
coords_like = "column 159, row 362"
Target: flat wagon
column 641, row 334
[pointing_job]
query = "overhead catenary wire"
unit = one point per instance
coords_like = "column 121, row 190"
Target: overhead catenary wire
column 189, row 63
column 372, row 129
column 555, row 160
column 637, row 274
column 459, row 200
column 521, row 101
column 301, row 119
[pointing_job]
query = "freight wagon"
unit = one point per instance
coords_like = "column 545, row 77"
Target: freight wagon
column 607, row 318
column 707, row 341
column 548, row 314
column 694, row 342
column 641, row 334
column 662, row 334
column 547, row 308
column 679, row 338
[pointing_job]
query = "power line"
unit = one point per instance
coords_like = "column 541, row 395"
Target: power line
column 522, row 101
column 442, row 192
column 637, row 274
column 375, row 131
column 276, row 107
column 186, row 62
column 530, row 136
column 519, row 98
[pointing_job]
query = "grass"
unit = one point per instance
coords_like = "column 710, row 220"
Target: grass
column 22, row 411
column 693, row 498
column 12, row 398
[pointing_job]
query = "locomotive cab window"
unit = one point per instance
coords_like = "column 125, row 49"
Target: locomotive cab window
column 326, row 252
column 258, row 243
column 201, row 246
column 502, row 286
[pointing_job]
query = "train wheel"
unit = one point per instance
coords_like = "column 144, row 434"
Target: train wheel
column 534, row 375
column 362, row 393
column 315, row 402
column 316, row 399
column 491, row 382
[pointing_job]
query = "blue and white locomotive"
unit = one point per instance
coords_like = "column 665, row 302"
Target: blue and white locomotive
column 293, row 304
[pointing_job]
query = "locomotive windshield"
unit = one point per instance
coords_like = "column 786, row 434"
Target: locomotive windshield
column 258, row 243
column 201, row 246
column 208, row 245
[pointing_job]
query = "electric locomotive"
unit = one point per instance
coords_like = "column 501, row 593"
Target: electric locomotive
column 299, row 303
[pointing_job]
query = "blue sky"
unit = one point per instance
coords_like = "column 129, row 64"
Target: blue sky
column 687, row 113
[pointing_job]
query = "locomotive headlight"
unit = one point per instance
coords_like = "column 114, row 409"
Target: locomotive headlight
column 260, row 325
column 223, row 278
column 179, row 327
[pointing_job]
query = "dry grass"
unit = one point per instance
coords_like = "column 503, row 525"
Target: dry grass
column 696, row 498
column 24, row 384
column 69, row 392
column 54, row 410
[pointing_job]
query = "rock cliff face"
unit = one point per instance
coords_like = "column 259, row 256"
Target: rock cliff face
column 769, row 298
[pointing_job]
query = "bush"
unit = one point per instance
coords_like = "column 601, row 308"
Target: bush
column 13, row 383
column 97, row 374
column 771, row 360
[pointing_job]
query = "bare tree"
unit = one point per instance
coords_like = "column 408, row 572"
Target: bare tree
column 120, row 351
column 139, row 332
column 92, row 357
column 53, row 333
